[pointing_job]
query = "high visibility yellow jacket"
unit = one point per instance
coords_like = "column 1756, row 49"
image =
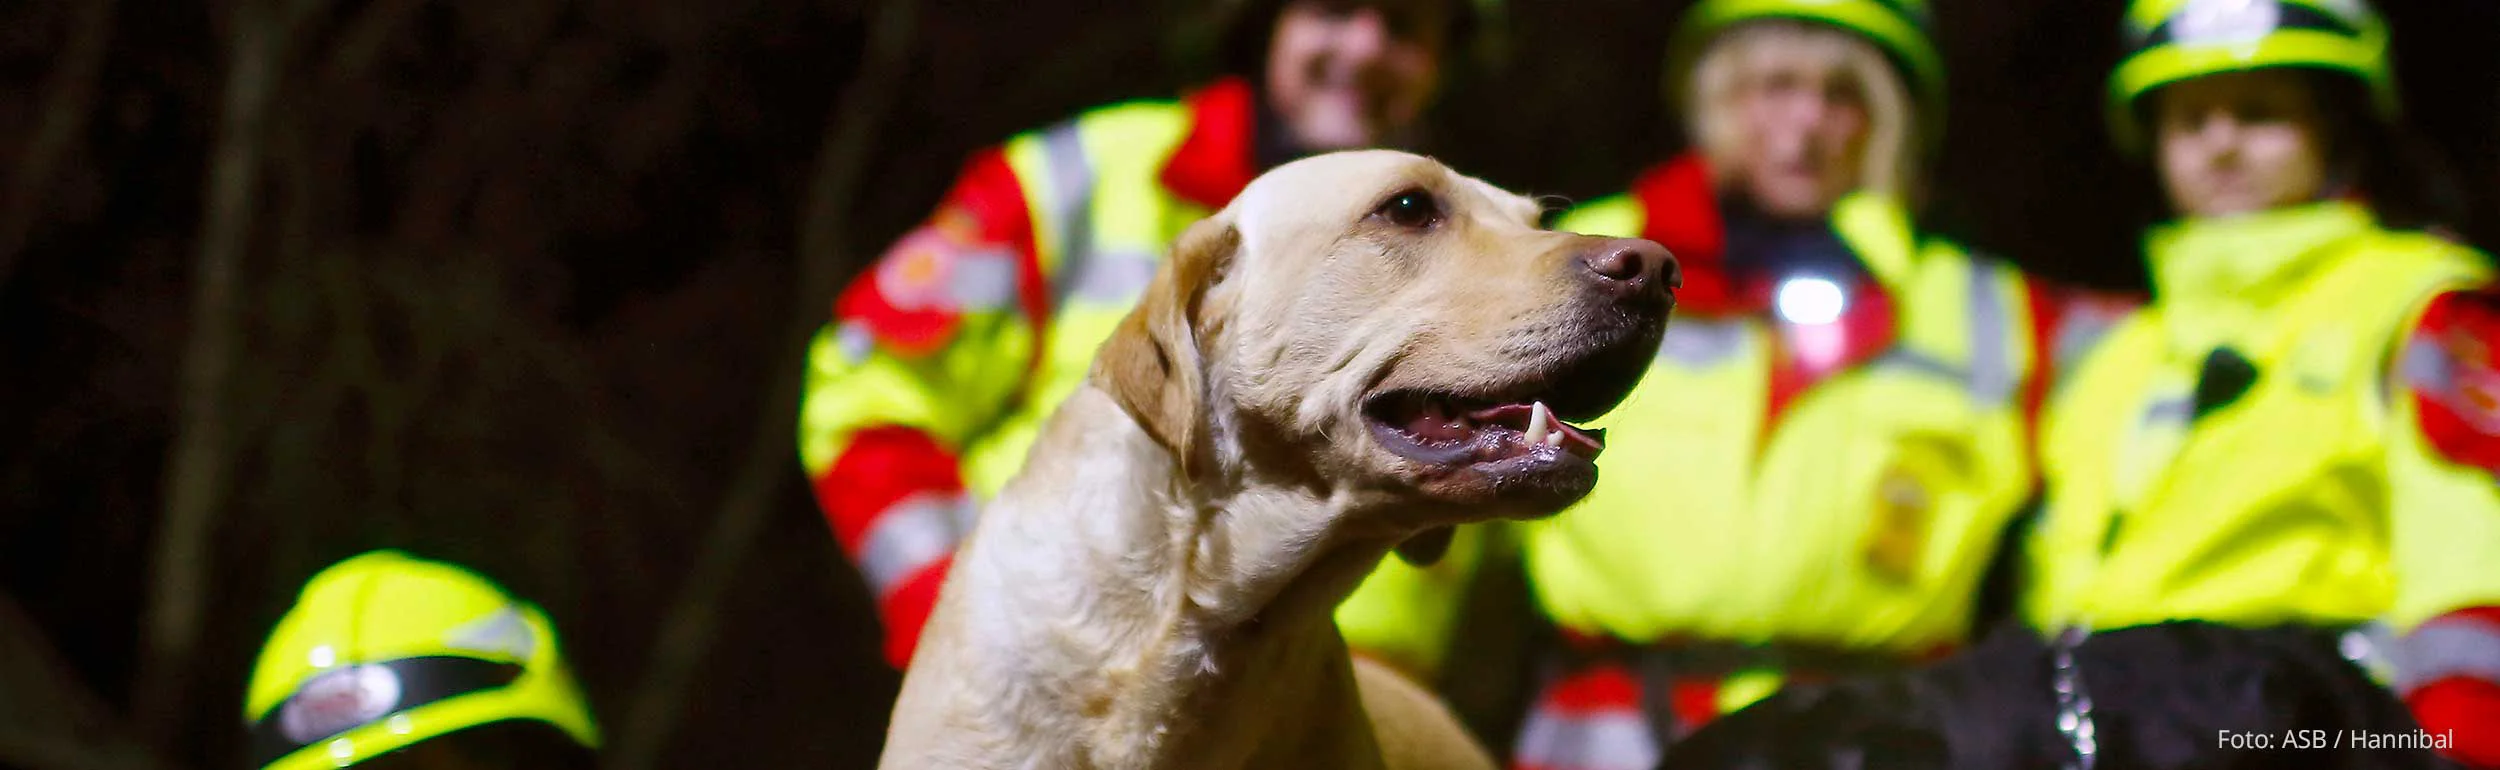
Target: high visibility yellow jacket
column 2301, row 428
column 1825, row 455
column 944, row 357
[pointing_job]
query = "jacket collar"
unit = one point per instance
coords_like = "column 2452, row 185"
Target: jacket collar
column 1683, row 210
column 2250, row 257
column 1680, row 210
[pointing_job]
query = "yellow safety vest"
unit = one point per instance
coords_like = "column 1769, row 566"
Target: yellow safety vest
column 1102, row 220
column 1863, row 519
column 2290, row 500
column 943, row 359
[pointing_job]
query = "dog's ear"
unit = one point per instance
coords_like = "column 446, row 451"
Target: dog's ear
column 1153, row 363
column 1424, row 548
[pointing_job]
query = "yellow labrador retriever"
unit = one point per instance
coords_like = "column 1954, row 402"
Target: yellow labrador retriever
column 1362, row 351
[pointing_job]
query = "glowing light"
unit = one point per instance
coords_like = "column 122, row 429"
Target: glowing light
column 1811, row 301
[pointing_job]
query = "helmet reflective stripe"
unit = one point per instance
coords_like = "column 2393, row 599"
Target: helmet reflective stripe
column 2241, row 22
column 2174, row 40
column 385, row 650
column 1898, row 28
column 346, row 698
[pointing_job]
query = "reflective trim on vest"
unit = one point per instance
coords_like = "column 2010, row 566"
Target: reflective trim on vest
column 1992, row 377
column 1102, row 221
column 1853, row 521
column 2422, row 361
column 2447, row 648
column 1919, row 361
column 1072, row 197
column 2076, row 336
column 2174, row 410
column 913, row 533
column 1606, row 740
column 2154, row 513
column 1109, row 277
column 854, row 341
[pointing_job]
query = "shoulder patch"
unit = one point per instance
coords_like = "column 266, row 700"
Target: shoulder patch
column 2447, row 366
column 945, row 265
column 911, row 299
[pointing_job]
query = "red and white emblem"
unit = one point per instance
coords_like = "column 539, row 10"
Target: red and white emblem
column 2473, row 387
column 944, row 266
column 2448, row 364
column 911, row 301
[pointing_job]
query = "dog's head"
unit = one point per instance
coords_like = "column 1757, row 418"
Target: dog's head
column 1375, row 324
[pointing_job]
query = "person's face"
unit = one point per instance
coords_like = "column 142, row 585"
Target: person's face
column 1804, row 127
column 1354, row 73
column 2239, row 142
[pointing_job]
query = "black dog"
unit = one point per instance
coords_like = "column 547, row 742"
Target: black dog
column 2178, row 695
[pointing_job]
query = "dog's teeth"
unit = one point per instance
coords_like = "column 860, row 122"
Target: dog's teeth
column 1554, row 439
column 1540, row 425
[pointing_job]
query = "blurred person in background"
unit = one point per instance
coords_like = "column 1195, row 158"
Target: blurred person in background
column 2271, row 508
column 1818, row 469
column 390, row 661
column 943, row 357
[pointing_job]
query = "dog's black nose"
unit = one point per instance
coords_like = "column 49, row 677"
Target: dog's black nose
column 1632, row 267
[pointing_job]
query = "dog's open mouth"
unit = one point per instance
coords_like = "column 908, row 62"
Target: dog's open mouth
column 1449, row 430
column 1520, row 439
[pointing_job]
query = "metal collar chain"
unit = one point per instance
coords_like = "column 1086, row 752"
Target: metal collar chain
column 2074, row 702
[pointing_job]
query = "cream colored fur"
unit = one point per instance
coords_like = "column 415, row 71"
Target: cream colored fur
column 1154, row 589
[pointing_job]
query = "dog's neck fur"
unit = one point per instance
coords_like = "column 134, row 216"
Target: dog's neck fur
column 1154, row 622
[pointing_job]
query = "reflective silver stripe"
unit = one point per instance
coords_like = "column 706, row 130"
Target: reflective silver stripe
column 2447, row 648
column 2421, row 367
column 2076, row 336
column 2174, row 410
column 1612, row 740
column 1072, row 187
column 964, row 512
column 854, row 341
column 1114, row 277
column 1920, row 361
column 2426, row 366
column 910, row 535
column 1991, row 374
column 504, row 632
column 2371, row 647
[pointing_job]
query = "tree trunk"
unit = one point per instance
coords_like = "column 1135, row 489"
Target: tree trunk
column 196, row 475
column 841, row 163
column 68, row 100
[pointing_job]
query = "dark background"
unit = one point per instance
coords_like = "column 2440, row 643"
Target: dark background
column 521, row 284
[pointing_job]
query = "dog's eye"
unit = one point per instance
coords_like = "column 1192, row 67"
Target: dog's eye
column 1413, row 208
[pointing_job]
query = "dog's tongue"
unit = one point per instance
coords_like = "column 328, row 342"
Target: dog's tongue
column 1537, row 425
column 1435, row 424
column 1500, row 431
